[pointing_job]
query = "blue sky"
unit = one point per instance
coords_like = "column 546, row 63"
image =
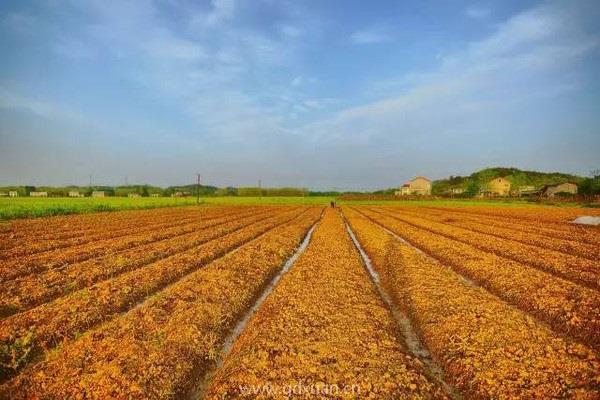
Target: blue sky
column 321, row 94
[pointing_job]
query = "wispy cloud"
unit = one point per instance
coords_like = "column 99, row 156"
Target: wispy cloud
column 478, row 12
column 297, row 81
column 372, row 35
column 499, row 75
column 42, row 108
column 230, row 82
column 291, row 30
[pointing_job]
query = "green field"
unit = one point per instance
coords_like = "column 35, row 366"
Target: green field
column 24, row 207
column 27, row 207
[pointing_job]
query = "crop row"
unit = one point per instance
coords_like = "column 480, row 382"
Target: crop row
column 65, row 227
column 160, row 348
column 323, row 329
column 563, row 228
column 59, row 258
column 553, row 216
column 570, row 267
column 566, row 306
column 31, row 250
column 32, row 245
column 28, row 291
column 48, row 325
column 488, row 348
column 526, row 232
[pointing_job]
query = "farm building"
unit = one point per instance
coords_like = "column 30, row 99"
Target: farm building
column 13, row 193
column 496, row 187
column 38, row 194
column 155, row 195
column 403, row 190
column 456, row 191
column 526, row 190
column 75, row 193
column 551, row 190
column 133, row 195
column 3, row 194
column 98, row 193
column 417, row 186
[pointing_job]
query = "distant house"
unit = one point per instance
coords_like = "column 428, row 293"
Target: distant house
column 418, row 186
column 155, row 195
column 404, row 190
column 75, row 193
column 456, row 191
column 181, row 194
column 98, row 193
column 38, row 194
column 496, row 187
column 13, row 193
column 3, row 194
column 551, row 190
column 134, row 195
column 525, row 190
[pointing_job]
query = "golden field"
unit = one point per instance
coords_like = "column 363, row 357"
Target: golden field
column 374, row 301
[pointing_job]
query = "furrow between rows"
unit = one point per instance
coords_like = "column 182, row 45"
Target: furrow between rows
column 36, row 263
column 159, row 348
column 575, row 269
column 488, row 348
column 525, row 234
column 26, row 335
column 37, row 231
column 567, row 307
column 32, row 290
column 324, row 332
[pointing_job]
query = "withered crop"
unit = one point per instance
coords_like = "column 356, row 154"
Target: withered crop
column 159, row 348
column 568, row 307
column 488, row 348
column 323, row 327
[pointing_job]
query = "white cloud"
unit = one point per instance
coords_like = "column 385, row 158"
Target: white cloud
column 297, row 81
column 467, row 95
column 313, row 103
column 42, row 108
column 372, row 35
column 202, row 67
column 165, row 46
column 222, row 11
column 477, row 12
column 291, row 30
column 232, row 81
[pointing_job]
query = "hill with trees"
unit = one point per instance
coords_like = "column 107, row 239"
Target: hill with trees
column 517, row 177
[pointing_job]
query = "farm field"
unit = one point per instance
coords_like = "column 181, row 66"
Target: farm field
column 422, row 300
column 31, row 207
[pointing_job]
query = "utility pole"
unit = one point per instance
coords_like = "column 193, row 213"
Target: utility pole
column 90, row 186
column 260, row 189
column 198, row 189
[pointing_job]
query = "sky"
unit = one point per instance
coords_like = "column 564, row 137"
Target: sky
column 334, row 94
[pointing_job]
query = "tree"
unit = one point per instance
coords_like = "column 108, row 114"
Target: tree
column 473, row 189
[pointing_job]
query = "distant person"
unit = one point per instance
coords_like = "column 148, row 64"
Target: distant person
column 332, row 204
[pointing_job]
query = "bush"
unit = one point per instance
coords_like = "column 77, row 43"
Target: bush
column 564, row 195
